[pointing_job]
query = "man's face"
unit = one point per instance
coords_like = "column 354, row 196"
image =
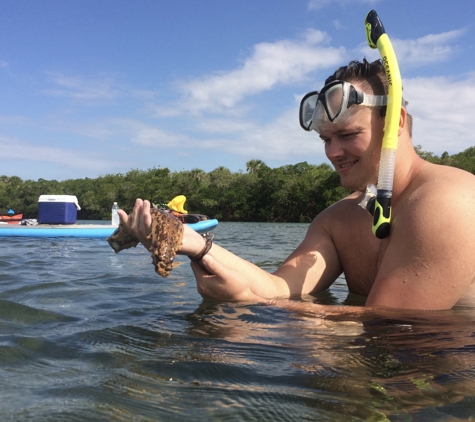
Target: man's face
column 353, row 145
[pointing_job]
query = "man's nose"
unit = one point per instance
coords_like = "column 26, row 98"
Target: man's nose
column 334, row 149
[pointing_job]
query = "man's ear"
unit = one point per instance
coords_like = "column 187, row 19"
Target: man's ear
column 402, row 121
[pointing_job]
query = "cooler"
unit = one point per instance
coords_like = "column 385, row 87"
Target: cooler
column 57, row 209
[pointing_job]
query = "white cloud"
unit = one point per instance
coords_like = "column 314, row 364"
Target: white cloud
column 283, row 62
column 98, row 89
column 155, row 137
column 73, row 159
column 225, row 125
column 6, row 119
column 443, row 112
column 429, row 49
column 135, row 131
column 280, row 139
column 320, row 4
column 443, row 121
column 338, row 25
column 433, row 48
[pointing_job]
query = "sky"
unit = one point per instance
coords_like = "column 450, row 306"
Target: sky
column 96, row 87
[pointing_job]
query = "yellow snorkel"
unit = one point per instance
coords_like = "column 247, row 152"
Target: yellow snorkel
column 377, row 38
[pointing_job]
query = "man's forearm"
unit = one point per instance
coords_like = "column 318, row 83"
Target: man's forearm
column 232, row 272
column 262, row 283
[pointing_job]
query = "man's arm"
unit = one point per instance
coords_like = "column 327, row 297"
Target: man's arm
column 221, row 275
column 312, row 267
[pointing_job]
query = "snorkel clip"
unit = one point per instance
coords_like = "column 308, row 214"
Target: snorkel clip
column 369, row 198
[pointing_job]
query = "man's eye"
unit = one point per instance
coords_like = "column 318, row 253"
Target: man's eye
column 350, row 134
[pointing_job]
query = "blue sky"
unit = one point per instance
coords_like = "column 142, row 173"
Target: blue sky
column 92, row 87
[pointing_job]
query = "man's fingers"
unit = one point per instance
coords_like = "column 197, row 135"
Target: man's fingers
column 146, row 206
column 198, row 270
column 137, row 208
column 146, row 217
column 138, row 222
column 123, row 216
column 203, row 280
column 212, row 266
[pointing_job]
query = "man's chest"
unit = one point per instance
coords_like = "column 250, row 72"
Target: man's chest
column 360, row 255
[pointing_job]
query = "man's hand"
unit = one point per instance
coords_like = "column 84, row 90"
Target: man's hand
column 215, row 281
column 138, row 224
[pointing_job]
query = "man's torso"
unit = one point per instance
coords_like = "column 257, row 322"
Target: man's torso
column 360, row 252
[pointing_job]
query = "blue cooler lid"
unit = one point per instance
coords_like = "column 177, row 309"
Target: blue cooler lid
column 59, row 198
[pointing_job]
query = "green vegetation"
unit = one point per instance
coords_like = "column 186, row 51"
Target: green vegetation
column 291, row 193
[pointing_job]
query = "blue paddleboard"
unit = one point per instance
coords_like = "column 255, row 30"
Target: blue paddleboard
column 91, row 231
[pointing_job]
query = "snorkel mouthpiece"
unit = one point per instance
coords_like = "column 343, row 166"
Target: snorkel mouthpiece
column 377, row 38
column 380, row 209
column 382, row 214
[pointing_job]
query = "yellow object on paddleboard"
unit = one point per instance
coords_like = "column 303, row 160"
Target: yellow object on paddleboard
column 177, row 204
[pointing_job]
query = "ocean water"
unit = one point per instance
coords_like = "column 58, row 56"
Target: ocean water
column 89, row 335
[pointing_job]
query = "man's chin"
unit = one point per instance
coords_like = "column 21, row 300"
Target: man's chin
column 352, row 185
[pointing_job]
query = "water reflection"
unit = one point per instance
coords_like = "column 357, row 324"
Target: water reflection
column 418, row 363
column 369, row 367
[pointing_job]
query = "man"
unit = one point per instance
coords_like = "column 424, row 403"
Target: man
column 427, row 261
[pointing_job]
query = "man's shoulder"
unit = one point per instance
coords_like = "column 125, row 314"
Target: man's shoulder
column 336, row 217
column 343, row 207
column 439, row 195
column 440, row 174
column 439, row 181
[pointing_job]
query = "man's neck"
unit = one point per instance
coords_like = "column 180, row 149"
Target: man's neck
column 408, row 164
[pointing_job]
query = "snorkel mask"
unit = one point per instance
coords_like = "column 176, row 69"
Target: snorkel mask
column 333, row 104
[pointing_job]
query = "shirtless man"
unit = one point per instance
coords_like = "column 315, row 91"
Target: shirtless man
column 427, row 261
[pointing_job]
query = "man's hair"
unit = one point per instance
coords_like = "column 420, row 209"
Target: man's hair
column 370, row 76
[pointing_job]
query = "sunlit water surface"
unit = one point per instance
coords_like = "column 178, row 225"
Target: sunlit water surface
column 86, row 334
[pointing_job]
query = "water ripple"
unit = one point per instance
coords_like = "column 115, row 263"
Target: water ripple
column 86, row 334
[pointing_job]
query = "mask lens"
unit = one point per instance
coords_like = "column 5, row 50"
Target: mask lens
column 319, row 118
column 333, row 101
column 307, row 107
column 321, row 122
